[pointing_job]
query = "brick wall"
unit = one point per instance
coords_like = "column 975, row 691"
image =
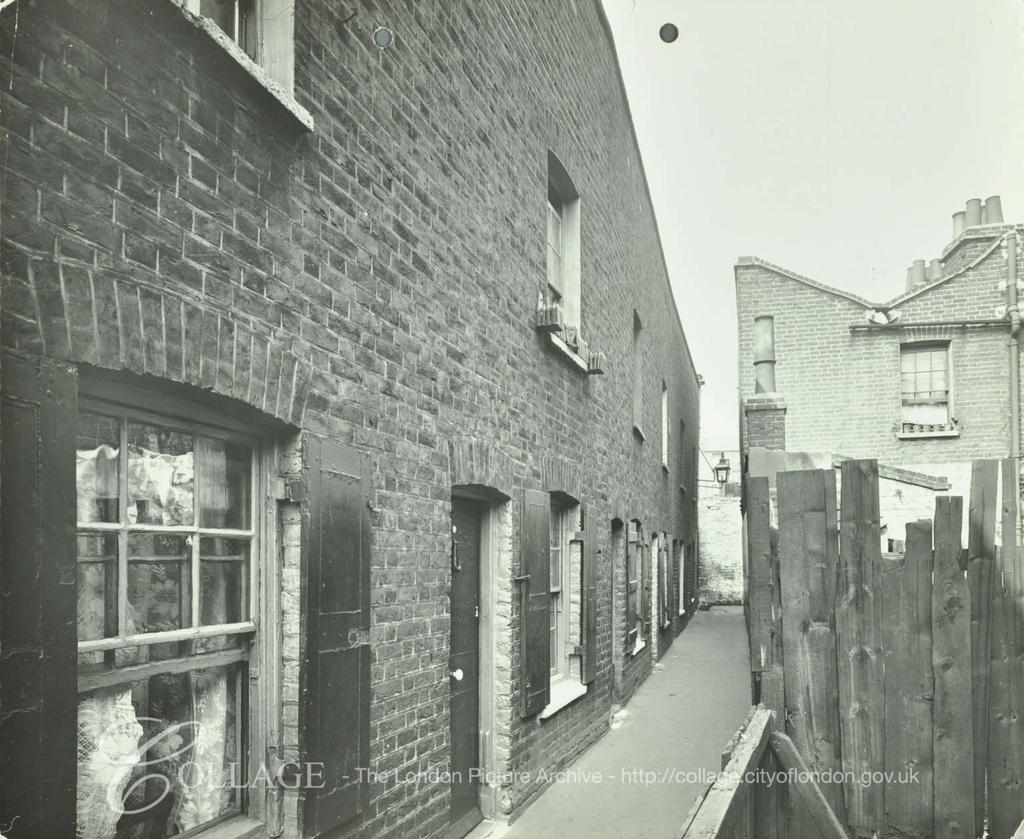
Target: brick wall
column 373, row 280
column 721, row 546
column 842, row 387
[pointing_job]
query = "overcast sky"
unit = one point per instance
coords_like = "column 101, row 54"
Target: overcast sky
column 833, row 137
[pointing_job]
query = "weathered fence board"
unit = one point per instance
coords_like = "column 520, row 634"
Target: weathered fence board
column 859, row 641
column 808, row 557
column 826, row 824
column 1005, row 771
column 725, row 810
column 952, row 737
column 981, row 569
column 760, row 574
column 907, row 640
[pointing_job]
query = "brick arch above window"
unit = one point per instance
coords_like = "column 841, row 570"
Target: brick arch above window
column 476, row 462
column 561, row 475
column 116, row 324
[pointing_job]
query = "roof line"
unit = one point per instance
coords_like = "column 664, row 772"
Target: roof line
column 914, row 292
column 785, row 272
column 643, row 174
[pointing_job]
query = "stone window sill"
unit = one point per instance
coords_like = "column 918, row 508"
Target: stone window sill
column 640, row 644
column 574, row 358
column 237, row 828
column 639, row 432
column 259, row 75
column 563, row 692
column 922, row 435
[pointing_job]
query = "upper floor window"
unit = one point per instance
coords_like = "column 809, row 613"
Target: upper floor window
column 925, row 388
column 664, row 426
column 638, row 376
column 563, row 247
column 260, row 37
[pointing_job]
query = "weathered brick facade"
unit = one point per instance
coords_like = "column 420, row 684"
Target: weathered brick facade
column 372, row 281
column 840, row 376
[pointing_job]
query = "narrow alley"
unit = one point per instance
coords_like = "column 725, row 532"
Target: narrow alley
column 640, row 779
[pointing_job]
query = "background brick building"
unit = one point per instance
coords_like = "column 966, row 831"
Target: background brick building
column 848, row 373
column 299, row 267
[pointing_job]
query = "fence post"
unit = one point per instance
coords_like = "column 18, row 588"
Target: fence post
column 859, row 641
column 952, row 737
column 808, row 558
column 981, row 568
column 907, row 641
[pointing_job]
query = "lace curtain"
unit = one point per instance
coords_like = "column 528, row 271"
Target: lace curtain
column 109, row 732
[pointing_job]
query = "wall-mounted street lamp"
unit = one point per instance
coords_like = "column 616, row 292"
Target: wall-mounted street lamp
column 722, row 470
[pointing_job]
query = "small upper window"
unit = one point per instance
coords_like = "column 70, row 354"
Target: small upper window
column 563, row 247
column 236, row 17
column 924, row 388
column 664, row 425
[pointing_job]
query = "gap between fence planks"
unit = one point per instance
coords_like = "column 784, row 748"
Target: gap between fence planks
column 808, row 558
column 859, row 644
column 952, row 734
column 981, row 569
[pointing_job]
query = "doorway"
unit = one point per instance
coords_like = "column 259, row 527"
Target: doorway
column 468, row 516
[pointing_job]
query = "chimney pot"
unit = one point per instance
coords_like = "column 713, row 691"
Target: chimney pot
column 974, row 212
column 993, row 210
column 959, row 222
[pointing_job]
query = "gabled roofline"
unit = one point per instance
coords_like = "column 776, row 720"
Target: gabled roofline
column 998, row 232
column 744, row 261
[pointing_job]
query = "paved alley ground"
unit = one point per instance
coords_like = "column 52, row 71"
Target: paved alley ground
column 674, row 726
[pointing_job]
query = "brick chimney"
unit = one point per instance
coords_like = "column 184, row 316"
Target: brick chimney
column 764, row 413
column 974, row 228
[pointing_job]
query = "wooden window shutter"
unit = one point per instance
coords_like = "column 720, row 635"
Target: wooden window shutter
column 588, row 618
column 335, row 725
column 535, row 603
column 39, row 708
column 645, row 552
column 632, row 581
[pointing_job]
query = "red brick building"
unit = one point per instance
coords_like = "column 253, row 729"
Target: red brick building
column 927, row 381
column 349, row 429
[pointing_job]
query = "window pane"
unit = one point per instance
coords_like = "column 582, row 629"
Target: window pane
column 160, row 475
column 97, row 586
column 247, row 27
column 159, row 582
column 98, row 440
column 223, row 482
column 223, row 580
column 221, row 12
column 187, row 777
column 907, row 358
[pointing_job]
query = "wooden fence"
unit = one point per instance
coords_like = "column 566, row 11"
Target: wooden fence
column 900, row 676
column 748, row 799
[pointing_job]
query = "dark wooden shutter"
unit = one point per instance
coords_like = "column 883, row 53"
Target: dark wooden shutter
column 588, row 620
column 535, row 600
column 632, row 581
column 38, row 641
column 336, row 664
column 645, row 552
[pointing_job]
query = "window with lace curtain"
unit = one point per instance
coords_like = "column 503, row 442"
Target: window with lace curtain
column 167, row 539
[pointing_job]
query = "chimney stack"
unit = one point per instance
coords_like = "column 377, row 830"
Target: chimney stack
column 916, row 274
column 934, row 270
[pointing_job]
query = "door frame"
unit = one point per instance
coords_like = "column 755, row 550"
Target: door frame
column 493, row 508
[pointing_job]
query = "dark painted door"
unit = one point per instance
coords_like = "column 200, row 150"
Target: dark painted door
column 465, row 663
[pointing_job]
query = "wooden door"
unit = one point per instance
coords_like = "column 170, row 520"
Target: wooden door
column 464, row 665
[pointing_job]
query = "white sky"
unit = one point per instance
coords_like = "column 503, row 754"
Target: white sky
column 833, row 138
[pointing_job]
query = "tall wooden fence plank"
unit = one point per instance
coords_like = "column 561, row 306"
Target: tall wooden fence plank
column 1005, row 771
column 859, row 639
column 760, row 574
column 980, row 571
column 907, row 640
column 952, row 738
column 808, row 556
